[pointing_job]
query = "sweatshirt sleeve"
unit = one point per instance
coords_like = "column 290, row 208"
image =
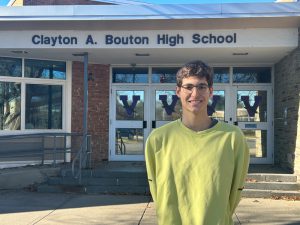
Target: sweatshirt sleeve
column 150, row 166
column 240, row 170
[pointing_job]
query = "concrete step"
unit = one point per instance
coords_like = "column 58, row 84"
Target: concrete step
column 126, row 189
column 96, row 181
column 45, row 188
column 257, row 177
column 287, row 186
column 128, row 180
column 258, row 193
column 141, row 190
column 106, row 173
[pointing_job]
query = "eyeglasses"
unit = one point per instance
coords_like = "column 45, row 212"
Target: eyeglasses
column 188, row 88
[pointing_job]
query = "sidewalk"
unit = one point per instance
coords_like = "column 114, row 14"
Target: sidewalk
column 28, row 208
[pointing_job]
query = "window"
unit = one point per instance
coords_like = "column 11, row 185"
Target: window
column 221, row 75
column 45, row 69
column 10, row 106
column 164, row 75
column 43, row 106
column 252, row 74
column 130, row 75
column 40, row 104
column 10, row 67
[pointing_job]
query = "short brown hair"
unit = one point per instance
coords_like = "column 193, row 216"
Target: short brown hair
column 195, row 68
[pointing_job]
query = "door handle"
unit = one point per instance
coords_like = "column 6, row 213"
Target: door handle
column 144, row 124
column 153, row 124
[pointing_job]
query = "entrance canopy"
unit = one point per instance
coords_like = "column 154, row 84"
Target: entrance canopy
column 152, row 34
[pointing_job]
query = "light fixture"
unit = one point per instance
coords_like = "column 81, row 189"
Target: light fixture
column 142, row 54
column 240, row 53
column 80, row 54
column 19, row 52
column 90, row 76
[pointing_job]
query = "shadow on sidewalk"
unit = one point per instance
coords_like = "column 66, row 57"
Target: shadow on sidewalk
column 22, row 201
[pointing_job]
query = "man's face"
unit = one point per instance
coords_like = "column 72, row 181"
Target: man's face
column 194, row 94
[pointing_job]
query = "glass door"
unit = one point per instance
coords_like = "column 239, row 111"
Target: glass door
column 253, row 114
column 219, row 105
column 129, row 123
column 165, row 105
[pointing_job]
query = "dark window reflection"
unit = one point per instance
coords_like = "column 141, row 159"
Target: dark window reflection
column 130, row 75
column 164, row 75
column 43, row 106
column 221, row 75
column 10, row 106
column 45, row 69
column 252, row 75
column 10, row 67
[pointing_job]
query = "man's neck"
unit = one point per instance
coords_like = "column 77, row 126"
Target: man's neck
column 196, row 122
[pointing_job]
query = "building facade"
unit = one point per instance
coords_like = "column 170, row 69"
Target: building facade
column 134, row 52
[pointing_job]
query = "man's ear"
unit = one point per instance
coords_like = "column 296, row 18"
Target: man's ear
column 211, row 91
column 178, row 91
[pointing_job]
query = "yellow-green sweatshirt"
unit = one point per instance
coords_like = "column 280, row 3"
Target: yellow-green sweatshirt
column 196, row 178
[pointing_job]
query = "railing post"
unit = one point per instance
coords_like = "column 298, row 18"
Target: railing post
column 54, row 152
column 65, row 147
column 85, row 107
column 43, row 150
column 80, row 166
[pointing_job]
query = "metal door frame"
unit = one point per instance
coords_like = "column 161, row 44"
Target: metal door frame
column 113, row 123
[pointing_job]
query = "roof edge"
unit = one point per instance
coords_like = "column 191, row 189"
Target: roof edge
column 137, row 12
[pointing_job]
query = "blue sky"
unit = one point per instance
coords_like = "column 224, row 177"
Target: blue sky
column 200, row 1
column 4, row 2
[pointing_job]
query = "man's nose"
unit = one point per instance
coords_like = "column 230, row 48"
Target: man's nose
column 195, row 91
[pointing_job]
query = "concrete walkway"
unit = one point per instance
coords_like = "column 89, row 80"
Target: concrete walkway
column 27, row 208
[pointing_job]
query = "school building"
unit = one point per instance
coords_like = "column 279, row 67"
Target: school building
column 129, row 53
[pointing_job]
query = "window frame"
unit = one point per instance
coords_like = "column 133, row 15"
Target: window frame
column 66, row 96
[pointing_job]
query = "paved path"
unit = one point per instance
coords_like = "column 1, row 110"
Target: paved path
column 28, row 208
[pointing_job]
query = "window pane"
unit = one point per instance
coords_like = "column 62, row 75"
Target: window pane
column 257, row 143
column 43, row 106
column 10, row 67
column 252, row 75
column 10, row 106
column 45, row 69
column 164, row 75
column 129, row 141
column 216, row 105
column 252, row 106
column 130, row 105
column 130, row 75
column 221, row 75
column 167, row 105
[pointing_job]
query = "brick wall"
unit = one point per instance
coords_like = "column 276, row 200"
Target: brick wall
column 62, row 2
column 286, row 96
column 98, row 106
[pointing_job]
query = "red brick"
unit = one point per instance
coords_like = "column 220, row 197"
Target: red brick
column 98, row 106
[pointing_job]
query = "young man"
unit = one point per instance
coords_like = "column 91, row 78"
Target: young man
column 196, row 165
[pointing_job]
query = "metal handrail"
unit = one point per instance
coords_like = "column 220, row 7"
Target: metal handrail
column 14, row 146
column 81, row 157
